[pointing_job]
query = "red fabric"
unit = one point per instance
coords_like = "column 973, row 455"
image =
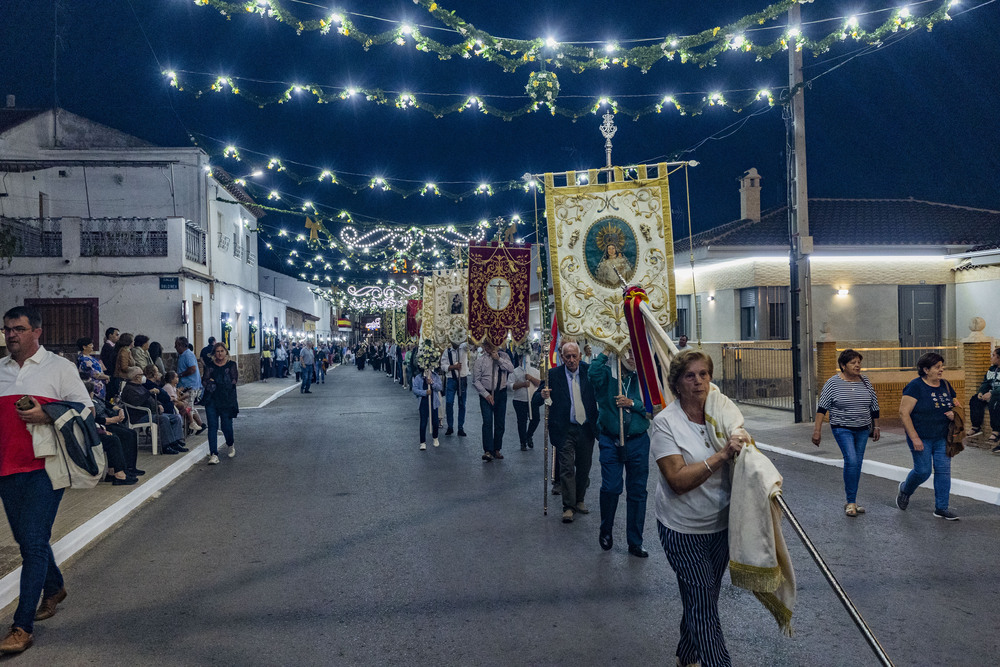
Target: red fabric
column 413, row 306
column 642, row 352
column 16, row 451
column 512, row 263
column 554, row 343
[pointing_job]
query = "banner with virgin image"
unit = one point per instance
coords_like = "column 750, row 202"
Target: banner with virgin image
column 602, row 234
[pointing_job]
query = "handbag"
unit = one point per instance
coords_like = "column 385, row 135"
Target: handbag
column 956, row 430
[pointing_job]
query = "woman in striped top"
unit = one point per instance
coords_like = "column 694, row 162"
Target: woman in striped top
column 853, row 406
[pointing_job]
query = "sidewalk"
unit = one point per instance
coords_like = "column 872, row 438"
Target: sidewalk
column 975, row 472
column 85, row 514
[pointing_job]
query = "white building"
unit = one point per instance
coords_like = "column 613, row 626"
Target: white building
column 113, row 231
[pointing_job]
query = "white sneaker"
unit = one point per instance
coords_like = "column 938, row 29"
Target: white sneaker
column 213, row 459
column 436, row 443
column 232, row 450
column 423, row 446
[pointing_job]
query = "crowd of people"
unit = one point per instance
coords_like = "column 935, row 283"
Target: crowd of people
column 592, row 401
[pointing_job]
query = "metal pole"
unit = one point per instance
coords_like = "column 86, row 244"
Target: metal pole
column 800, row 281
column 852, row 611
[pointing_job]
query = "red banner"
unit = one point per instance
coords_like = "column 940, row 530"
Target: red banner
column 499, row 284
column 413, row 307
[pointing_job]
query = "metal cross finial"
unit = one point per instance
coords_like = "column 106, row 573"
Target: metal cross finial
column 608, row 129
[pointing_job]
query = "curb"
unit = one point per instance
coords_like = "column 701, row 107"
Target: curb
column 78, row 538
column 959, row 487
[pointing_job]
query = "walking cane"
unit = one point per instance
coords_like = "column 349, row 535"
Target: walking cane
column 852, row 611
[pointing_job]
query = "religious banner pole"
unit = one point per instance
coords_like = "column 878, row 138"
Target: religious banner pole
column 544, row 320
column 608, row 130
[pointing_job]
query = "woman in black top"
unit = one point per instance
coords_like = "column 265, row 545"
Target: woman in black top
column 219, row 399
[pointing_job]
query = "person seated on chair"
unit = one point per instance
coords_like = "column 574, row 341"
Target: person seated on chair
column 116, row 473
column 987, row 397
column 137, row 395
column 156, row 387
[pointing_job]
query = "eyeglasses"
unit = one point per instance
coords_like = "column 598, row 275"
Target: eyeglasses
column 17, row 330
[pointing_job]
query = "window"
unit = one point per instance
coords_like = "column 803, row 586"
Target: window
column 682, row 327
column 777, row 312
column 748, row 313
column 764, row 313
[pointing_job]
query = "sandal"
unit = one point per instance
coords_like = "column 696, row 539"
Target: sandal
column 851, row 509
column 994, row 438
column 973, row 431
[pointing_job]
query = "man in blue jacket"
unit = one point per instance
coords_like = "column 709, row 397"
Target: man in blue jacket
column 572, row 427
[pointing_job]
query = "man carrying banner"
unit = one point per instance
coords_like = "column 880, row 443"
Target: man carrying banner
column 455, row 367
column 632, row 459
column 490, row 380
column 572, row 427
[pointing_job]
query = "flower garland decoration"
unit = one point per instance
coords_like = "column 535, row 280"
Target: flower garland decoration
column 543, row 87
column 428, row 356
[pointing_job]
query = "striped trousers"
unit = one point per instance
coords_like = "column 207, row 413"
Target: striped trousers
column 699, row 561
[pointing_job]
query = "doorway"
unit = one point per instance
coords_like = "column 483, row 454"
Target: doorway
column 919, row 320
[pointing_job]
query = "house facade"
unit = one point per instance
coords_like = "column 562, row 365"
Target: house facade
column 885, row 272
column 113, row 231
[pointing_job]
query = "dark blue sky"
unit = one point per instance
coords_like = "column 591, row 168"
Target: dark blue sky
column 913, row 119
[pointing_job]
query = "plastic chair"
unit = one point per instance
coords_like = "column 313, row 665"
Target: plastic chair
column 148, row 425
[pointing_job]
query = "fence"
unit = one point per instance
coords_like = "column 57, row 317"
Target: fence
column 194, row 242
column 894, row 358
column 36, row 237
column 757, row 375
column 123, row 237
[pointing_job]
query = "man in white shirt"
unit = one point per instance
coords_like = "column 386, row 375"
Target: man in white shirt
column 29, row 493
column 455, row 367
column 522, row 383
column 682, row 344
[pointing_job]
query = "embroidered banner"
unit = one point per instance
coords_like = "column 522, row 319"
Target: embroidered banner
column 446, row 305
column 499, row 284
column 413, row 307
column 599, row 232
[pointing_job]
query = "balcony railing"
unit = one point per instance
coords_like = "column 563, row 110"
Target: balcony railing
column 251, row 258
column 224, row 241
column 123, row 237
column 36, row 237
column 195, row 243
column 237, row 251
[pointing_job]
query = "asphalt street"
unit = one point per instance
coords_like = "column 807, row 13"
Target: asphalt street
column 331, row 540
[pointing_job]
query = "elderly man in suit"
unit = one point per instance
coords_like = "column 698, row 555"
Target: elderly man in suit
column 572, row 427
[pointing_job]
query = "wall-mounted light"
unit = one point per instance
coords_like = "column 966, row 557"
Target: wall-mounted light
column 711, row 297
column 843, row 292
column 239, row 308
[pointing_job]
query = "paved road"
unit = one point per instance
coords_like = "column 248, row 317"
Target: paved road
column 330, row 540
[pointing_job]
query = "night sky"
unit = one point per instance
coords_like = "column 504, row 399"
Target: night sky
column 914, row 118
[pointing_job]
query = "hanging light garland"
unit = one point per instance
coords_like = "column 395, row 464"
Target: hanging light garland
column 377, row 298
column 402, row 187
column 701, row 48
column 542, row 89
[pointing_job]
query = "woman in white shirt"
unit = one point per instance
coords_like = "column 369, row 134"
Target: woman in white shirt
column 692, row 507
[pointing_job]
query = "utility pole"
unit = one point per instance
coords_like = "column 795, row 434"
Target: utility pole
column 800, row 283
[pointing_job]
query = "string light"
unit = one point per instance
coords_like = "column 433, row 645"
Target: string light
column 701, row 48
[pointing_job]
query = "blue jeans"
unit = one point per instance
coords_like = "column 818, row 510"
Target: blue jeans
column 852, row 443
column 212, row 419
column 934, row 452
column 449, row 398
column 321, row 372
column 424, row 418
column 307, row 377
column 494, row 420
column 633, row 461
column 31, row 505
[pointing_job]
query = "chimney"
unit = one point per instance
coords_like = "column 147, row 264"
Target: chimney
column 750, row 195
column 10, row 101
